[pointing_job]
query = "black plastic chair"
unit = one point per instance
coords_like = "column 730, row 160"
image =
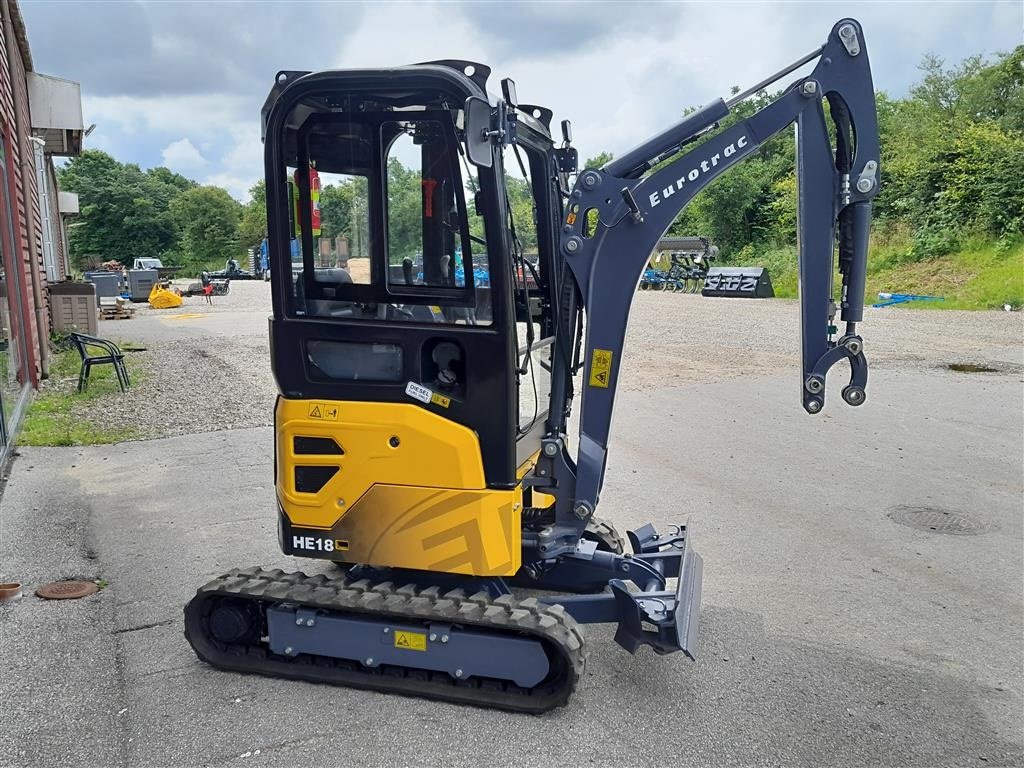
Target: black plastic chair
column 111, row 355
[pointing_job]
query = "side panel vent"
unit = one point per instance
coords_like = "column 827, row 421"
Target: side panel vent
column 312, row 479
column 317, row 446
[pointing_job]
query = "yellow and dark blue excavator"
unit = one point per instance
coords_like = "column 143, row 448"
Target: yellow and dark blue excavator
column 456, row 282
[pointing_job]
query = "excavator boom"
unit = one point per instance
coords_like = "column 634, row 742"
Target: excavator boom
column 633, row 211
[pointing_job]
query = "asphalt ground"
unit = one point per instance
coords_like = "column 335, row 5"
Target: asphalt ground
column 830, row 635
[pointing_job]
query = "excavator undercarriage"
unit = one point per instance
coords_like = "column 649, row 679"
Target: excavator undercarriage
column 443, row 279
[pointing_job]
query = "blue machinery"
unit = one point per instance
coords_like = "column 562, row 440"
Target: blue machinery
column 888, row 299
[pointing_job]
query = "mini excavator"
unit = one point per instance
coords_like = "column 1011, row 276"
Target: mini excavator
column 427, row 366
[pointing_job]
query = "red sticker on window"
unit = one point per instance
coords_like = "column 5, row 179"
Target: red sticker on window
column 428, row 197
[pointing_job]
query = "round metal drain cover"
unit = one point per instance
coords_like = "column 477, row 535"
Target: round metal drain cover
column 936, row 520
column 66, row 590
column 10, row 592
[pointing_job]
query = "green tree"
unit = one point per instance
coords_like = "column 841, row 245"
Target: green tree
column 599, row 160
column 524, row 215
column 982, row 184
column 750, row 202
column 207, row 220
column 253, row 225
column 405, row 211
column 997, row 92
column 337, row 203
column 951, row 153
column 124, row 213
column 169, row 177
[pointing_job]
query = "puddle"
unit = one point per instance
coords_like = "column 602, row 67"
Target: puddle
column 971, row 368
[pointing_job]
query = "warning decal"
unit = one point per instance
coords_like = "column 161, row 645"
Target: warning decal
column 601, row 368
column 441, row 400
column 322, row 411
column 410, row 641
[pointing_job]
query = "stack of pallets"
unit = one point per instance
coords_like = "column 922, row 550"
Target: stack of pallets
column 116, row 308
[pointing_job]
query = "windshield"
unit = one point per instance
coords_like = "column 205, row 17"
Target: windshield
column 380, row 223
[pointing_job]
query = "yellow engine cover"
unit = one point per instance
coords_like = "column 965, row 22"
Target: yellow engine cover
column 408, row 488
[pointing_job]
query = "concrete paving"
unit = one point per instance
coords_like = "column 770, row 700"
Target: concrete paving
column 187, row 323
column 830, row 635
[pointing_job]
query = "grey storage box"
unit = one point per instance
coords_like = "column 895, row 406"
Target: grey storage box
column 107, row 284
column 141, row 282
column 73, row 307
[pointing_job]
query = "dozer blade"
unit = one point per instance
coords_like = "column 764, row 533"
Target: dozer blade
column 677, row 623
column 672, row 613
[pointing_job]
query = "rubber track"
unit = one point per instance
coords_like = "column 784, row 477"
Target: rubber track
column 410, row 603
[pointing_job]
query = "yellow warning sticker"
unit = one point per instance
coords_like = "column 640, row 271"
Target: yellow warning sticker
column 411, row 641
column 322, row 411
column 601, row 368
column 441, row 400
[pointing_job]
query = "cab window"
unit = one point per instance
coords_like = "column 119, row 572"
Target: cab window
column 533, row 312
column 381, row 223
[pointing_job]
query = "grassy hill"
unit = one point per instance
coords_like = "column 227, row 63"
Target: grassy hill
column 980, row 273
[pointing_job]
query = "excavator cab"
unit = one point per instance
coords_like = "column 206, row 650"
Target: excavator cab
column 446, row 286
column 412, row 316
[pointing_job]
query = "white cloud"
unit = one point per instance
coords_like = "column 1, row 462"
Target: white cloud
column 204, row 115
column 182, row 156
column 242, row 164
column 636, row 78
column 618, row 79
column 221, row 145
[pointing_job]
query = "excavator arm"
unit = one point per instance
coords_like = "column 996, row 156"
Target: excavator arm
column 628, row 212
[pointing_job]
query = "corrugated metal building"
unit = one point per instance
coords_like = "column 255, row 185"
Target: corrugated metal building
column 40, row 118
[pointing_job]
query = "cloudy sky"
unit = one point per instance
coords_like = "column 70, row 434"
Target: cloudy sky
column 181, row 84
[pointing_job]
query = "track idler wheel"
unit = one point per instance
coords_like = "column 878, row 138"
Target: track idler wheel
column 233, row 621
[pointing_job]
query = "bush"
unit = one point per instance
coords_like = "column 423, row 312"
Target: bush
column 983, row 180
column 932, row 244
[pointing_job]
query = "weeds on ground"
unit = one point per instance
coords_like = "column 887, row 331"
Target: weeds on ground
column 60, row 415
column 981, row 273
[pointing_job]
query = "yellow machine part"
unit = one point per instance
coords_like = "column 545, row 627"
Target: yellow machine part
column 161, row 298
column 408, row 490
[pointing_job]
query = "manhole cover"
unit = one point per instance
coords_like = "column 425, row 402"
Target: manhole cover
column 936, row 520
column 10, row 592
column 66, row 590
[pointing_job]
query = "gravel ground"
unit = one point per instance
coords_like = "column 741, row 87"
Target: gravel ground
column 203, row 367
column 242, row 294
column 206, row 367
